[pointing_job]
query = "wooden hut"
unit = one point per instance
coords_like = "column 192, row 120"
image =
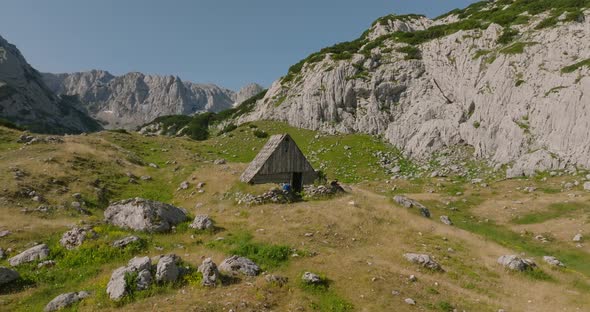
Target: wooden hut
column 280, row 161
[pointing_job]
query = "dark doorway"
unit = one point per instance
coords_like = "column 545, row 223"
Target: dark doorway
column 297, row 182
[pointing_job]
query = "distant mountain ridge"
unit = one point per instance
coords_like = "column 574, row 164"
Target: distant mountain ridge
column 27, row 101
column 133, row 99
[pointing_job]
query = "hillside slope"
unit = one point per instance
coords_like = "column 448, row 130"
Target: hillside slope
column 27, row 101
column 133, row 99
column 356, row 240
column 509, row 78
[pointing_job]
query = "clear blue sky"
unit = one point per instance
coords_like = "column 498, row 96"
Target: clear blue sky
column 227, row 42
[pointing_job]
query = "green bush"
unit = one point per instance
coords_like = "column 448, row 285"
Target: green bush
column 507, row 36
column 412, row 53
column 260, row 134
column 9, row 124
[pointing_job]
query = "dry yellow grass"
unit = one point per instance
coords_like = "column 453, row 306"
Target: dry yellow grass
column 358, row 239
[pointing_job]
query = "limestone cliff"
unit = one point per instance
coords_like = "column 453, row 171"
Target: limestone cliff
column 508, row 78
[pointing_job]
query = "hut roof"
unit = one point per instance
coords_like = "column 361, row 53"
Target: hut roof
column 280, row 156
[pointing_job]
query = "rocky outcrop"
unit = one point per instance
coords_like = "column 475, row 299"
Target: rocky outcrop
column 202, row 222
column 75, row 237
column 134, row 99
column 26, row 100
column 513, row 102
column 144, row 215
column 167, row 269
column 65, row 300
column 410, row 203
column 423, row 260
column 36, row 253
column 210, row 272
column 516, row 263
column 236, row 264
column 311, row 278
column 117, row 287
column 125, row 241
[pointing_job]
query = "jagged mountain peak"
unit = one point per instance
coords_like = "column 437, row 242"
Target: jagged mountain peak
column 26, row 100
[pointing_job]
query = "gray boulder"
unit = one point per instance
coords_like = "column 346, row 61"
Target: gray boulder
column 587, row 186
column 578, row 238
column 167, row 269
column 8, row 275
column 236, row 264
column 202, row 222
column 210, row 272
column 38, row 252
column 423, row 260
column 446, row 220
column 144, row 280
column 75, row 237
column 516, row 263
column 144, row 215
column 410, row 203
column 311, row 278
column 117, row 286
column 553, row 261
column 65, row 300
column 123, row 242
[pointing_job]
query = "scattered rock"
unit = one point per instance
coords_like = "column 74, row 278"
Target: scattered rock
column 4, row 233
column 123, row 242
column 38, row 252
column 7, row 275
column 578, row 237
column 167, row 269
column 410, row 301
column 145, row 178
column 183, row 186
column 75, row 237
column 311, row 278
column 323, row 190
column 65, row 300
column 236, row 264
column 220, row 161
column 446, row 220
column 202, row 222
column 412, row 278
column 276, row 196
column 553, row 261
column 530, row 189
column 410, row 203
column 46, row 264
column 276, row 279
column 423, row 260
column 154, row 165
column 210, row 272
column 515, row 263
column 144, row 215
column 586, row 186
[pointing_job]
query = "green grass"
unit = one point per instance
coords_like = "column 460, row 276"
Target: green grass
column 462, row 218
column 74, row 269
column 325, row 153
column 516, row 48
column 572, row 68
column 480, row 53
column 241, row 243
column 325, row 298
column 555, row 210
